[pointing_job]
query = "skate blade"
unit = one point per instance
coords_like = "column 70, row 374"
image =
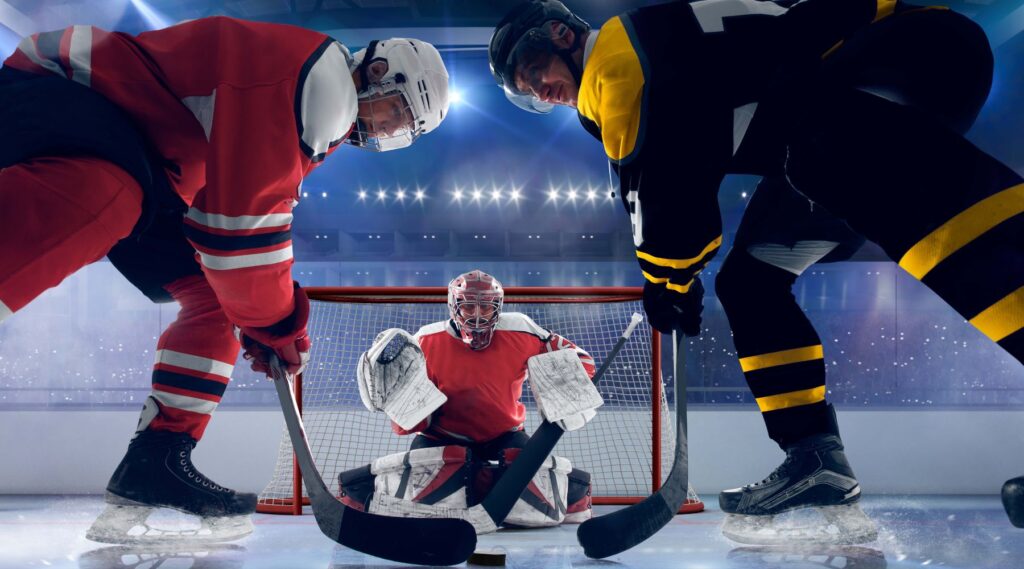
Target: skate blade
column 126, row 525
column 842, row 525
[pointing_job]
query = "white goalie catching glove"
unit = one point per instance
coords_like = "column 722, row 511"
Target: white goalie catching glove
column 392, row 377
column 563, row 390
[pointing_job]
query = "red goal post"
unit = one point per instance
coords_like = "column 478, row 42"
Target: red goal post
column 630, row 440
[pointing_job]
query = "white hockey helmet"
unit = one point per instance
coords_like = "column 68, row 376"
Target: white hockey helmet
column 416, row 76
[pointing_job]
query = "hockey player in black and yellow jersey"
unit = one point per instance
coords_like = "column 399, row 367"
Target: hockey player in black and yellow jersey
column 853, row 112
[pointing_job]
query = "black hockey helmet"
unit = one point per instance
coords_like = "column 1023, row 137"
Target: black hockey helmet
column 520, row 36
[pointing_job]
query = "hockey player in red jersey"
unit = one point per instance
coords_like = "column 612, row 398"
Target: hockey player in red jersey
column 179, row 154
column 459, row 389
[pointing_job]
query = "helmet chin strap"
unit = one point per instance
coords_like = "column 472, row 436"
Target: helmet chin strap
column 364, row 79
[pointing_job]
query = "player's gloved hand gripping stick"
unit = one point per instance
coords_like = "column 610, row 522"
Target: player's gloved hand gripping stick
column 423, row 541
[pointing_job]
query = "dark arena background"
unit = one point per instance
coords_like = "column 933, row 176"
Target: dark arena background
column 932, row 412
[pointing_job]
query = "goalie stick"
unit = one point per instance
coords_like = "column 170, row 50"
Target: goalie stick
column 620, row 530
column 513, row 482
column 406, row 540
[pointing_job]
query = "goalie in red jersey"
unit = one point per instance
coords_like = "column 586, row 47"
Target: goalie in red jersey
column 456, row 384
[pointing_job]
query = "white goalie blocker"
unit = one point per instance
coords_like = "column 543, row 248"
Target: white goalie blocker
column 435, row 483
column 564, row 392
column 392, row 377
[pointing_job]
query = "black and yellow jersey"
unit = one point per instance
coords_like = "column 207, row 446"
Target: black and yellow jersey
column 670, row 90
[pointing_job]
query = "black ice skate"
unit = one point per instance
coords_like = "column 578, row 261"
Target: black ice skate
column 157, row 472
column 815, row 478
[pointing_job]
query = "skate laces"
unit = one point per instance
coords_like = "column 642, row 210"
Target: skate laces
column 779, row 471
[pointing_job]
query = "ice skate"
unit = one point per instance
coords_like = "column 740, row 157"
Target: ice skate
column 812, row 497
column 157, row 472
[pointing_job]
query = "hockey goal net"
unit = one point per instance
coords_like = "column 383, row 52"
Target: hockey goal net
column 627, row 447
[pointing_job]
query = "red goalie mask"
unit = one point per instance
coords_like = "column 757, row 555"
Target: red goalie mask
column 474, row 302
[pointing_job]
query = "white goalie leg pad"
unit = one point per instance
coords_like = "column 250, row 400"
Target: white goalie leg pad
column 426, row 483
column 562, row 388
column 436, row 476
column 390, row 506
column 543, row 503
column 392, row 377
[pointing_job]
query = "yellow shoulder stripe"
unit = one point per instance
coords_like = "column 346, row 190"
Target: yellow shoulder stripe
column 611, row 90
column 680, row 263
column 965, row 227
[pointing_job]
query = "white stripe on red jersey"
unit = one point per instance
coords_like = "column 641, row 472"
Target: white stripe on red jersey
column 194, row 363
column 242, row 111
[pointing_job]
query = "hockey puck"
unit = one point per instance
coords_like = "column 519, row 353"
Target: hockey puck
column 489, row 557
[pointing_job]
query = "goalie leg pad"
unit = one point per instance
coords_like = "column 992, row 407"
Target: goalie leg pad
column 579, row 502
column 432, row 476
column 543, row 503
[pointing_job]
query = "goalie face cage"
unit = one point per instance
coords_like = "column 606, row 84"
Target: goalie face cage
column 623, row 447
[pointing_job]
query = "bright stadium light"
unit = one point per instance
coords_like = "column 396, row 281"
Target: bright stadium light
column 477, row 195
column 400, row 195
column 381, row 195
column 591, row 194
column 571, row 195
column 362, row 195
column 514, row 195
column 552, row 194
column 455, row 96
column 457, row 195
column 420, row 195
column 495, row 194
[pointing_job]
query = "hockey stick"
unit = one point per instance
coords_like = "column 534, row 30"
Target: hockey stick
column 406, row 540
column 620, row 530
column 513, row 482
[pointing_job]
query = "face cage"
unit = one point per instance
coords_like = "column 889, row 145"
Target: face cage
column 476, row 331
column 367, row 136
column 534, row 43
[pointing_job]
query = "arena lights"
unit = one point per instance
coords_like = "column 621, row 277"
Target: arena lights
column 514, row 195
column 400, row 195
column 420, row 195
column 381, row 195
column 571, row 196
column 477, row 195
column 743, row 195
column 455, row 96
column 323, row 194
column 591, row 195
column 495, row 194
column 457, row 195
column 362, row 195
column 552, row 194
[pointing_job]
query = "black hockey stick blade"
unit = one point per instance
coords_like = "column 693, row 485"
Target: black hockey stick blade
column 513, row 482
column 422, row 541
column 623, row 529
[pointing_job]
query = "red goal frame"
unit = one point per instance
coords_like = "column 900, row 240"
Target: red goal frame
column 524, row 295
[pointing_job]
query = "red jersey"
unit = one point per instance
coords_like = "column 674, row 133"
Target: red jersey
column 484, row 387
column 241, row 111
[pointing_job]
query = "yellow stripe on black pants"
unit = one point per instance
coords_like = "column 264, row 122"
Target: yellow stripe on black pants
column 779, row 351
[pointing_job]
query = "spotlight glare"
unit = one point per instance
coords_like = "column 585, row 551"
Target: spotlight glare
column 572, row 195
column 362, row 195
column 455, row 96
column 400, row 195
column 495, row 194
column 552, row 194
column 420, row 194
column 457, row 195
column 323, row 194
column 514, row 196
column 382, row 195
column 743, row 195
column 591, row 195
column 477, row 195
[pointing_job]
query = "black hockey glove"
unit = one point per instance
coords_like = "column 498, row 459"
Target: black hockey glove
column 668, row 309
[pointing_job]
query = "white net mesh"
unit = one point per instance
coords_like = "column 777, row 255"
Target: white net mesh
column 615, row 447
